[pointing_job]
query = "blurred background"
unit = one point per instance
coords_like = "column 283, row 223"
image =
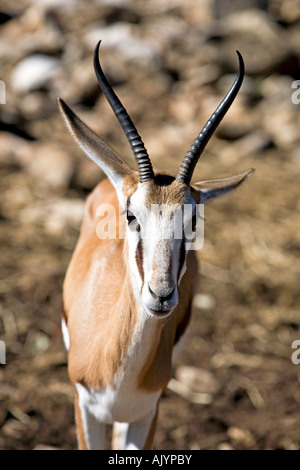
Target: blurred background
column 171, row 62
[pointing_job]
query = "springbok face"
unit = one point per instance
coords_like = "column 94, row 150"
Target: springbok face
column 161, row 215
column 154, row 205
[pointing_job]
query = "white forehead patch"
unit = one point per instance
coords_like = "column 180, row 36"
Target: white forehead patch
column 139, row 196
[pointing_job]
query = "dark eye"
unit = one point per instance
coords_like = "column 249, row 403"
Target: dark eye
column 130, row 217
column 132, row 222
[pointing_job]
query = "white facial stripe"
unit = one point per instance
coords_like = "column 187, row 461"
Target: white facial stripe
column 157, row 261
column 65, row 333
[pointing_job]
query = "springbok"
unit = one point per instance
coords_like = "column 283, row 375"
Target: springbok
column 127, row 301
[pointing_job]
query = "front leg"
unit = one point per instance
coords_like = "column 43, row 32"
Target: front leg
column 137, row 435
column 91, row 433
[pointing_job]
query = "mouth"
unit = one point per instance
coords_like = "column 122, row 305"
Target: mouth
column 161, row 306
column 159, row 313
column 160, row 310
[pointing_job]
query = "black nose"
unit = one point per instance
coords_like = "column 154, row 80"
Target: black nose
column 162, row 294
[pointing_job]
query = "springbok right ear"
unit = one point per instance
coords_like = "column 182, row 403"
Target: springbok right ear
column 212, row 189
column 95, row 148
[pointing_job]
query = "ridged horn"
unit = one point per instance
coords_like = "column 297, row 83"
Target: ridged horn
column 191, row 159
column 136, row 143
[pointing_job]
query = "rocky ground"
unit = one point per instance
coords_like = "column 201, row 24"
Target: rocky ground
column 234, row 385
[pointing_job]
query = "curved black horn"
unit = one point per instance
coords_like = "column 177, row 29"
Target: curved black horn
column 137, row 145
column 190, row 160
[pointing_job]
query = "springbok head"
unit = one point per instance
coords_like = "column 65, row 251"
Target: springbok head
column 152, row 201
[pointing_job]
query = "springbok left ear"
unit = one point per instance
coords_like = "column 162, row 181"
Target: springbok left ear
column 212, row 189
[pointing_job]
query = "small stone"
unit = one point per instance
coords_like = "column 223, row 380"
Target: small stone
column 223, row 8
column 63, row 214
column 224, row 446
column 56, row 216
column 242, row 436
column 121, row 37
column 33, row 72
column 263, row 42
column 204, row 301
column 45, row 447
column 198, row 380
column 11, row 146
column 51, row 165
column 289, row 11
column 249, row 145
column 87, row 173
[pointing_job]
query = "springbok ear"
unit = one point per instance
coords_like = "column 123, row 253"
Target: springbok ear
column 209, row 190
column 95, row 148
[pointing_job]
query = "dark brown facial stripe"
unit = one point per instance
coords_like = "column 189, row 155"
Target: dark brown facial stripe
column 184, row 323
column 139, row 260
column 181, row 257
column 63, row 313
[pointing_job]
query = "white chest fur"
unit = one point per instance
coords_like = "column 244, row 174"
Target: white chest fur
column 123, row 401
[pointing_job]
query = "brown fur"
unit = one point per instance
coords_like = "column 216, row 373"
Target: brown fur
column 101, row 317
column 79, row 426
column 150, row 437
column 163, row 189
column 139, row 260
column 101, row 313
column 162, row 193
column 130, row 184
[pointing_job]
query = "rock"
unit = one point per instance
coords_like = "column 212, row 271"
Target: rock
column 223, row 8
column 204, row 301
column 65, row 213
column 16, row 195
column 283, row 127
column 198, row 16
column 34, row 104
column 263, row 43
column 46, row 163
column 185, row 392
column 87, row 173
column 242, row 436
column 198, row 380
column 199, row 76
column 111, row 35
column 51, row 165
column 55, row 215
column 242, row 148
column 11, row 147
column 121, row 37
column 45, row 447
column 33, row 72
column 278, row 115
column 224, row 446
column 287, row 11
